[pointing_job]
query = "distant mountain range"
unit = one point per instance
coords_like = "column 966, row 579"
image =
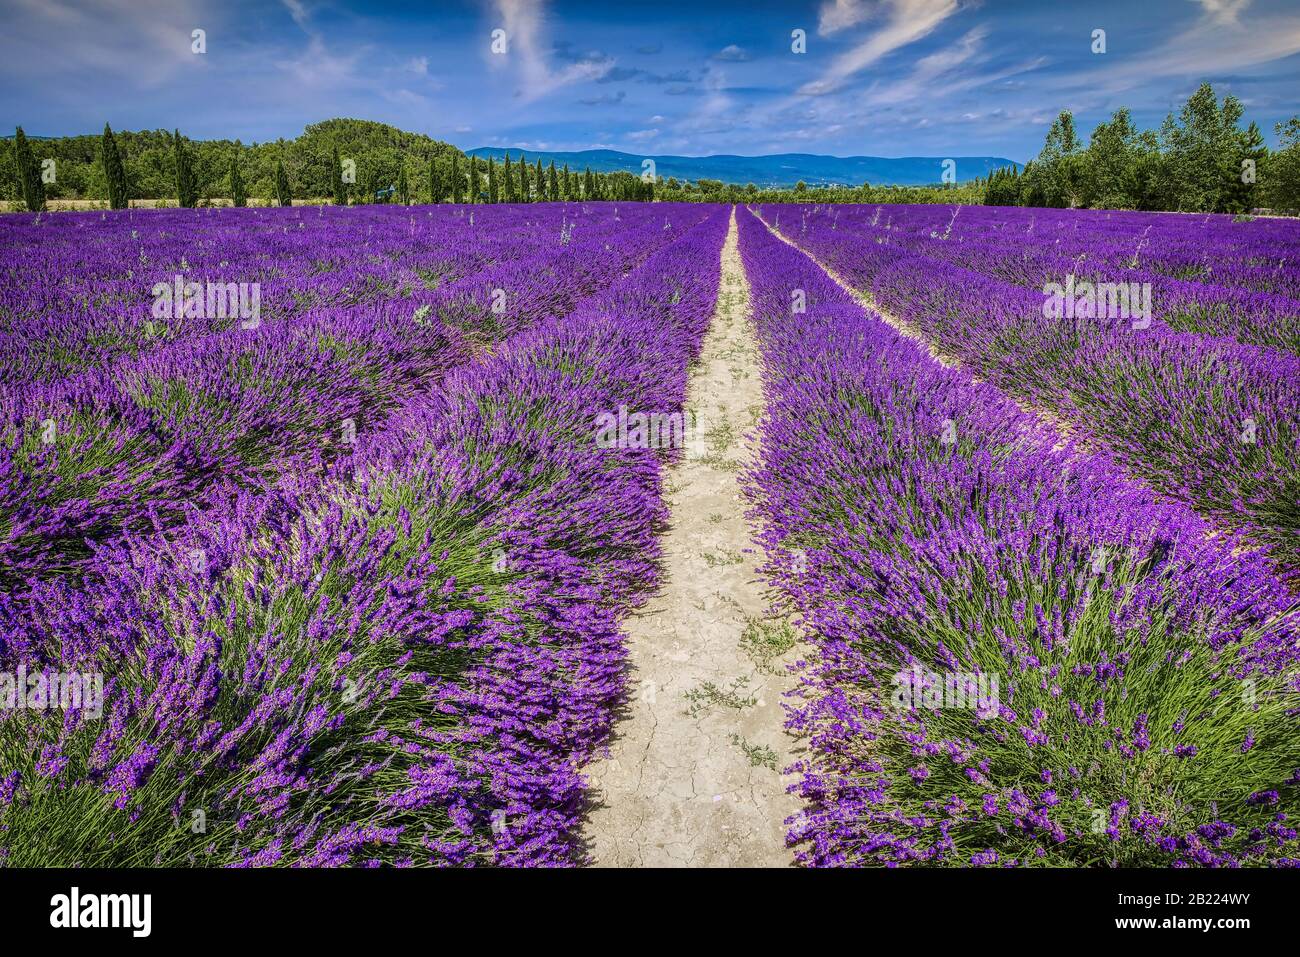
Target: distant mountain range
column 777, row 169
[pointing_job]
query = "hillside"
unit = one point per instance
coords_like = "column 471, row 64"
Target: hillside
column 775, row 170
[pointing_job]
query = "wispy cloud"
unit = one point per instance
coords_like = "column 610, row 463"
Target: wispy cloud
column 54, row 37
column 954, row 69
column 1223, row 39
column 299, row 13
column 904, row 22
column 1223, row 11
column 732, row 53
column 836, row 15
column 523, row 22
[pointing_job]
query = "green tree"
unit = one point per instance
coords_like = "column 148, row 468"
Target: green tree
column 435, row 183
column 283, row 194
column 553, row 185
column 455, row 178
column 114, row 171
column 238, row 196
column 337, row 187
column 403, row 187
column 1281, row 180
column 1203, row 151
column 508, row 178
column 187, row 192
column 1060, row 165
column 29, row 176
column 492, row 180
column 1252, row 160
column 1109, row 163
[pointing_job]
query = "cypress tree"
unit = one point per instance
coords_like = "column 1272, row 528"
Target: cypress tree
column 403, row 187
column 455, row 178
column 435, row 183
column 283, row 194
column 568, row 186
column 114, row 171
column 473, row 179
column 336, row 180
column 187, row 193
column 553, row 186
column 29, row 177
column 539, row 183
column 508, row 178
column 237, row 195
column 492, row 180
column 588, row 185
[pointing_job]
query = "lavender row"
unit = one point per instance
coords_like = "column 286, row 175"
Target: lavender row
column 112, row 448
column 1208, row 422
column 1034, row 249
column 79, row 291
column 1214, row 251
column 409, row 667
column 1021, row 657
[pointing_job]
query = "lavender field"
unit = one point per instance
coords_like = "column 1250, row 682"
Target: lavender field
column 1081, row 529
column 351, row 577
column 314, row 521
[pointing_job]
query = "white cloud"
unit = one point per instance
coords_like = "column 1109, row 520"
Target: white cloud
column 733, row 53
column 318, row 68
column 1221, row 40
column 523, row 23
column 297, row 11
column 55, row 37
column 1223, row 11
column 921, row 82
column 836, row 15
column 905, row 22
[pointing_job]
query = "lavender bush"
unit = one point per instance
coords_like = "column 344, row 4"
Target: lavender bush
column 1020, row 656
column 1203, row 419
column 397, row 652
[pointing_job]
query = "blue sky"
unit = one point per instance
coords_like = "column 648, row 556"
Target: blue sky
column 879, row 77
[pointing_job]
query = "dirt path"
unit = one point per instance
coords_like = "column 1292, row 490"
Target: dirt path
column 693, row 775
column 865, row 299
column 868, row 301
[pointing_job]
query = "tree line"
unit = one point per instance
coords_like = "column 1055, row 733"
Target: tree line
column 344, row 161
column 1201, row 160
